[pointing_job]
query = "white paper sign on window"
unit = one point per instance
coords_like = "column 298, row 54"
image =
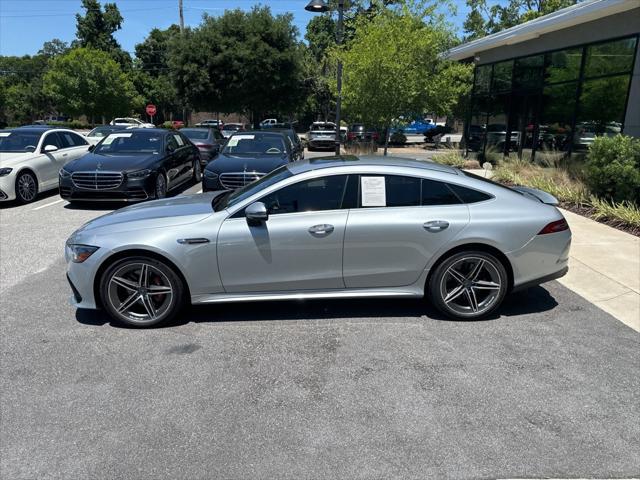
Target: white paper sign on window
column 109, row 140
column 233, row 141
column 374, row 193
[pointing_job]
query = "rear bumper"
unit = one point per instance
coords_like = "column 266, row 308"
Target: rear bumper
column 321, row 143
column 547, row 278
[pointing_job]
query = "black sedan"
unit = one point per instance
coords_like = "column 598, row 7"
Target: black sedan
column 246, row 157
column 132, row 166
column 208, row 140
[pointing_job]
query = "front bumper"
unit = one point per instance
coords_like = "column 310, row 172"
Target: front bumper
column 81, row 278
column 8, row 187
column 130, row 190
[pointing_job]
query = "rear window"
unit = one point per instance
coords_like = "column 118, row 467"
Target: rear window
column 469, row 195
column 196, row 134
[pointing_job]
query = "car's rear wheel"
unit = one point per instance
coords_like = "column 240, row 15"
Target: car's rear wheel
column 26, row 187
column 468, row 285
column 197, row 171
column 141, row 291
column 161, row 186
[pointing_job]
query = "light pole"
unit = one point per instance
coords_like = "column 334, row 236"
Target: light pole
column 319, row 6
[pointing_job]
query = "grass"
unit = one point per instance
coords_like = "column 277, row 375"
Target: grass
column 571, row 192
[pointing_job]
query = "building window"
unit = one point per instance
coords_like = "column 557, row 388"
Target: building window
column 563, row 65
column 528, row 72
column 482, row 79
column 502, row 76
column 610, row 58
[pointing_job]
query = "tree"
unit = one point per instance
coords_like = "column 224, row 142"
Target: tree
column 88, row 81
column 22, row 97
column 96, row 28
column 240, row 62
column 393, row 67
column 53, row 48
column 484, row 19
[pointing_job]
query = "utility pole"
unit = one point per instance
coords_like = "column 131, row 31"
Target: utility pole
column 339, row 35
column 181, row 15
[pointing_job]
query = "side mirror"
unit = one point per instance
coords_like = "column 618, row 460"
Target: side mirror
column 91, row 148
column 256, row 213
column 171, row 148
column 49, row 148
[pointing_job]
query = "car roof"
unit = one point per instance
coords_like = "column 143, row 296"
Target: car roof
column 270, row 131
column 367, row 161
column 32, row 128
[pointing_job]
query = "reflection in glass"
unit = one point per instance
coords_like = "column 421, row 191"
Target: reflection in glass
column 563, row 65
column 477, row 123
column 482, row 79
column 601, row 109
column 527, row 73
column 502, row 76
column 554, row 131
column 496, row 130
column 610, row 58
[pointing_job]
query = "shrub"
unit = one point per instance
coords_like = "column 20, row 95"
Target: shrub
column 450, row 158
column 398, row 138
column 612, row 169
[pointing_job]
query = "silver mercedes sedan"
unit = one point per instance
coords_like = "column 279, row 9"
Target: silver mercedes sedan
column 334, row 227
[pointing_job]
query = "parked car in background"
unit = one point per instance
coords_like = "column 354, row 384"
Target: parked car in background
column 230, row 128
column 358, row 132
column 177, row 124
column 30, row 158
column 437, row 130
column 321, row 136
column 246, row 157
column 336, row 228
column 98, row 133
column 208, row 140
column 211, row 123
column 131, row 122
column 131, row 166
column 268, row 122
column 297, row 148
column 475, row 137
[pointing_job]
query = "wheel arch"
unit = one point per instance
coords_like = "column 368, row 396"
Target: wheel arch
column 483, row 247
column 110, row 260
column 30, row 170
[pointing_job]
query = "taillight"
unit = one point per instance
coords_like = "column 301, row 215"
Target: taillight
column 555, row 227
column 351, row 135
column 375, row 136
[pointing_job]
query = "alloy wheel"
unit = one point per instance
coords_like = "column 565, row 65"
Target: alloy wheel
column 26, row 187
column 470, row 286
column 197, row 171
column 161, row 186
column 140, row 293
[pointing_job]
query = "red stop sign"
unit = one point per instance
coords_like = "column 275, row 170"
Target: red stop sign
column 151, row 109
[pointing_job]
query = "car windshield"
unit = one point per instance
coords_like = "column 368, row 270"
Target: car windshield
column 132, row 141
column 231, row 126
column 19, row 141
column 196, row 134
column 100, row 132
column 124, row 121
column 229, row 199
column 254, row 144
column 323, row 126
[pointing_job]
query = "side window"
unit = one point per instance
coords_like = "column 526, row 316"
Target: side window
column 437, row 193
column 217, row 135
column 79, row 140
column 72, row 140
column 469, row 195
column 398, row 191
column 180, row 140
column 172, row 144
column 325, row 193
column 53, row 139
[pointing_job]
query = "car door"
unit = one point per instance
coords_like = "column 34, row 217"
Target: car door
column 76, row 144
column 218, row 140
column 185, row 156
column 298, row 248
column 401, row 222
column 172, row 163
column 52, row 161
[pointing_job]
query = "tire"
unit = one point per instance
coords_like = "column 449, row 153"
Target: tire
column 160, row 188
column 141, row 292
column 26, row 187
column 468, row 285
column 197, row 171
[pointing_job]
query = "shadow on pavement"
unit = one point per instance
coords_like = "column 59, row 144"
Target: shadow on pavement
column 40, row 196
column 534, row 300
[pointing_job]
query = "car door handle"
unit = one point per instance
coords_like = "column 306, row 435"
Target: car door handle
column 323, row 229
column 435, row 225
column 65, row 154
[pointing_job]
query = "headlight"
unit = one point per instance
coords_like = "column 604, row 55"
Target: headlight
column 79, row 253
column 210, row 175
column 5, row 171
column 63, row 173
column 139, row 174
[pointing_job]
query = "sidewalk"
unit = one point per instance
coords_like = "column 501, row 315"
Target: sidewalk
column 604, row 268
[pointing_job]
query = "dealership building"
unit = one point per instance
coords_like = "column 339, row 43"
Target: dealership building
column 544, row 89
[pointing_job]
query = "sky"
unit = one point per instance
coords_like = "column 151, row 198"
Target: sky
column 26, row 24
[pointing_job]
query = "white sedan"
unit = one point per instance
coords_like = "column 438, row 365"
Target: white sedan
column 131, row 122
column 30, row 158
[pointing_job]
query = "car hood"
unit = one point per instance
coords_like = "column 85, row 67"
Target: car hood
column 13, row 159
column 117, row 163
column 230, row 163
column 165, row 213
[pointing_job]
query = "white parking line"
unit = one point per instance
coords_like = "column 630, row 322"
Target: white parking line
column 49, row 204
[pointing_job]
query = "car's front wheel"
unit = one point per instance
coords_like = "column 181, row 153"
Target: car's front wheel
column 468, row 285
column 26, row 187
column 197, row 171
column 141, row 291
column 161, row 186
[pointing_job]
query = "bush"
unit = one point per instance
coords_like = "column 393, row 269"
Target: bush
column 612, row 170
column 450, row 158
column 397, row 138
column 168, row 124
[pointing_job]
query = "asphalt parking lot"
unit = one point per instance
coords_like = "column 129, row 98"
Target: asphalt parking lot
column 326, row 389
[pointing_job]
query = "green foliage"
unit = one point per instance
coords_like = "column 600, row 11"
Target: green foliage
column 486, row 18
column 453, row 159
column 612, row 170
column 240, row 62
column 320, row 35
column 393, row 66
column 95, row 30
column 86, row 81
column 397, row 138
column 22, row 99
column 53, row 48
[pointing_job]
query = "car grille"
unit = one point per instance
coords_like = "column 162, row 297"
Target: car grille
column 239, row 179
column 97, row 180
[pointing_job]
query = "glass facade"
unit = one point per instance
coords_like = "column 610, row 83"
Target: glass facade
column 550, row 105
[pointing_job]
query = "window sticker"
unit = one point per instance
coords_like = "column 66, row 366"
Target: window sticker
column 374, row 193
column 4, row 134
column 109, row 140
column 233, row 141
column 179, row 140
